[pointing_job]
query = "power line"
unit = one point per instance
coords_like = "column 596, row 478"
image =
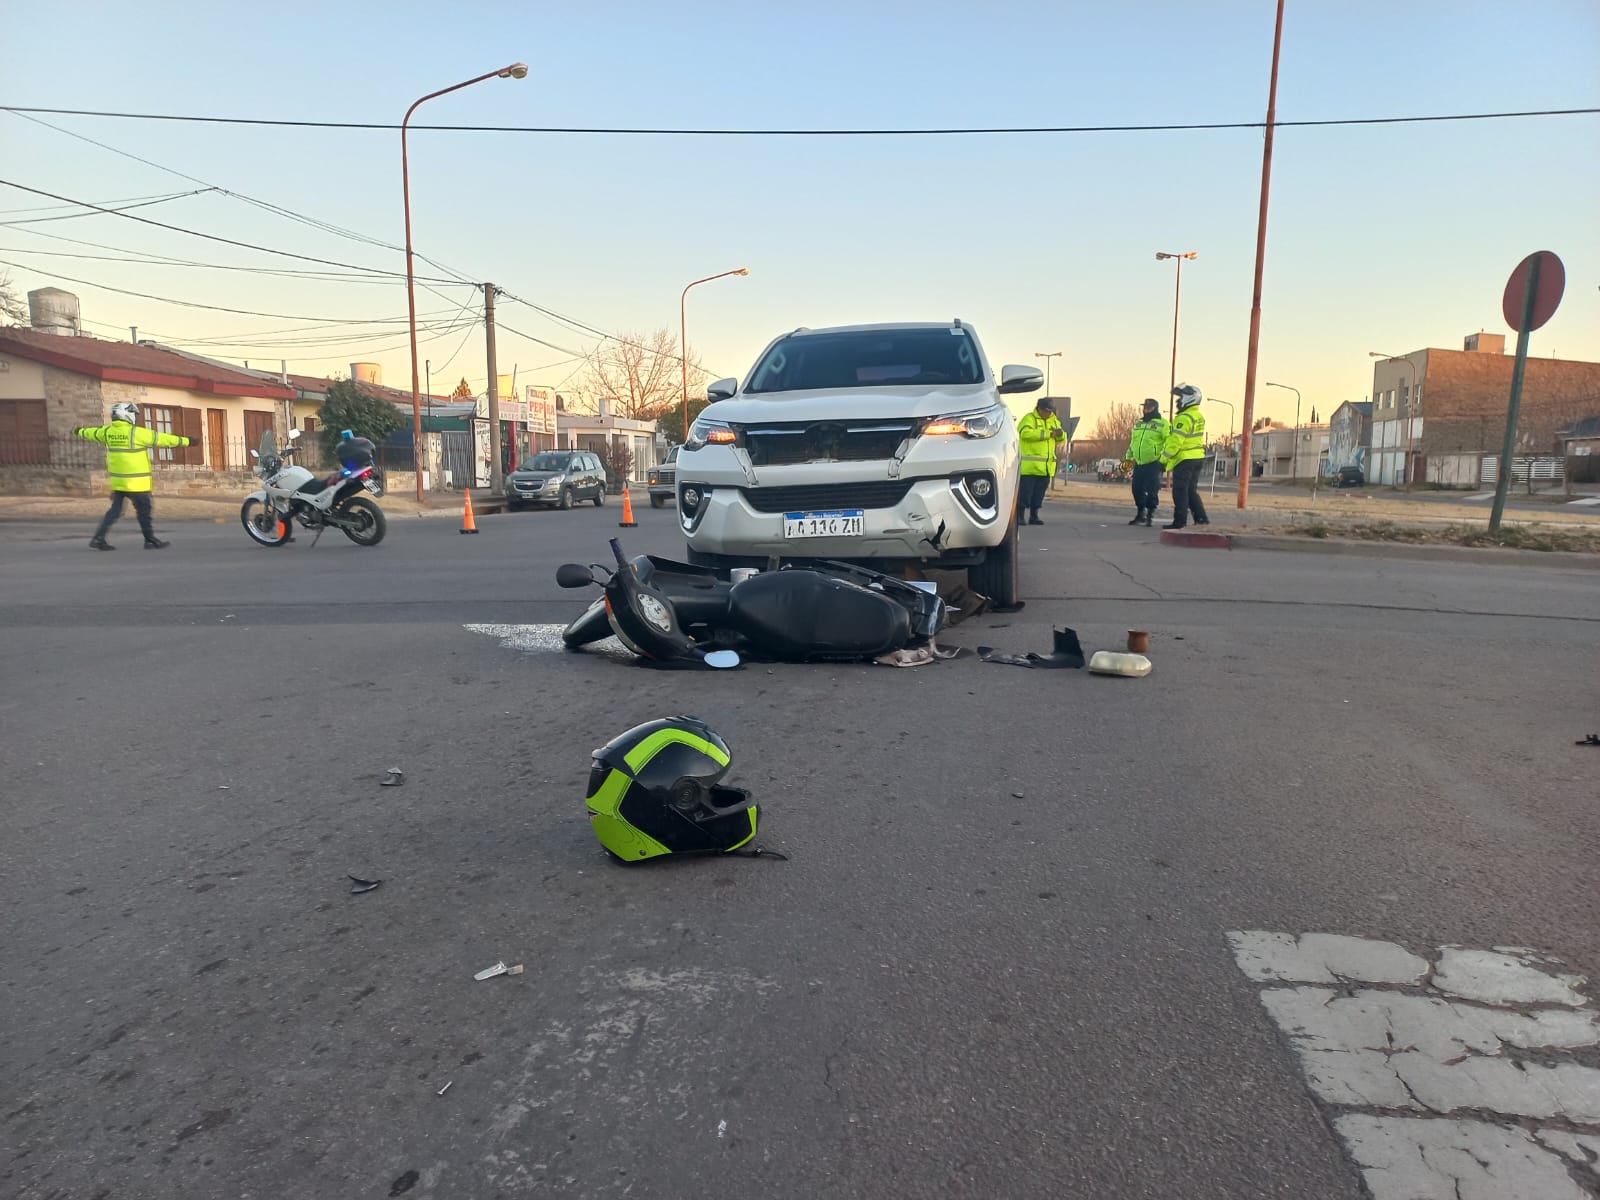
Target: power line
column 264, row 205
column 121, row 208
column 6, row 212
column 212, row 237
column 1165, row 127
column 162, row 260
column 192, row 304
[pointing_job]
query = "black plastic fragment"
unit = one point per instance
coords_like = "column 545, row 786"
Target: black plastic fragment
column 359, row 885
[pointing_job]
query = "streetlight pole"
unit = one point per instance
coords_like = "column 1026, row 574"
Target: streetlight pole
column 1411, row 409
column 683, row 336
column 1047, row 356
column 1177, row 294
column 1294, row 457
column 514, row 71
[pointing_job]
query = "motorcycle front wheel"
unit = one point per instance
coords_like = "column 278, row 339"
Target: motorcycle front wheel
column 367, row 523
column 263, row 523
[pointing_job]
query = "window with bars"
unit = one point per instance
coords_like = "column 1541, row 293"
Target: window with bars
column 163, row 420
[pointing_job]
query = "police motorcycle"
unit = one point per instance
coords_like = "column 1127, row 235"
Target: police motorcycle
column 674, row 614
column 291, row 493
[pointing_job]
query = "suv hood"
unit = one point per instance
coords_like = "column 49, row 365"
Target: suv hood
column 851, row 404
column 534, row 476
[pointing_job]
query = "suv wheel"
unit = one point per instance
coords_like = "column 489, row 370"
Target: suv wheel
column 997, row 577
column 566, row 499
column 658, row 501
column 600, row 497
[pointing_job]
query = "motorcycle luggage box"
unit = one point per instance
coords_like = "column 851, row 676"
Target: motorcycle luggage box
column 356, row 452
column 798, row 614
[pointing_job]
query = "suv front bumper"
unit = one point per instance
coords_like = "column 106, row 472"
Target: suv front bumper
column 935, row 518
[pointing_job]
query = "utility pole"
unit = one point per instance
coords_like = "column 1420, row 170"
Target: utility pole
column 1245, row 424
column 496, row 478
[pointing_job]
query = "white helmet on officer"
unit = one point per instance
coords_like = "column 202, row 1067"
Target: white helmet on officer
column 1188, row 395
column 125, row 411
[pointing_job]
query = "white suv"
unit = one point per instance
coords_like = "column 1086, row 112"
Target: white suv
column 885, row 444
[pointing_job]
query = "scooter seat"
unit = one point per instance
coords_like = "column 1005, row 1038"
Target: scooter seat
column 799, row 614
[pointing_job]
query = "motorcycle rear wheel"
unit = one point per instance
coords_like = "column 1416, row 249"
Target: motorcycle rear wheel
column 367, row 521
column 263, row 523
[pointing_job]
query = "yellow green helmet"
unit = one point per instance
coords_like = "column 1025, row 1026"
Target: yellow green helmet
column 657, row 790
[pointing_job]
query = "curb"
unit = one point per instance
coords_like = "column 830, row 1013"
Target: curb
column 1564, row 559
column 1196, row 541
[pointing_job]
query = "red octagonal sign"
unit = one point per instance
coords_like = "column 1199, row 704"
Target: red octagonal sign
column 1547, row 295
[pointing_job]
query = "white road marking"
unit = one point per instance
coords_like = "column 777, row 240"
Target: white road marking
column 543, row 639
column 1414, row 1041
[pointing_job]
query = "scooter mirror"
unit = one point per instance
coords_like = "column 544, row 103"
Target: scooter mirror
column 255, row 454
column 722, row 659
column 573, row 575
column 294, row 434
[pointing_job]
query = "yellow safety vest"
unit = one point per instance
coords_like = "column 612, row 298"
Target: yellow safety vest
column 128, row 452
column 1187, row 439
column 1039, row 436
column 1149, row 438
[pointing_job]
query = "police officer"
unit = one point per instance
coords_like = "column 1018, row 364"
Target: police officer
column 1144, row 452
column 127, row 446
column 1040, row 433
column 1182, row 454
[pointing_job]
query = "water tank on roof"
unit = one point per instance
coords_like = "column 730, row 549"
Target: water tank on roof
column 51, row 310
column 366, row 372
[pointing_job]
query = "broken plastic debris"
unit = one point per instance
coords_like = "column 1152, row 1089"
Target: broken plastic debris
column 393, row 777
column 445, row 1088
column 359, row 885
column 1592, row 740
column 1066, row 652
column 499, row 968
column 1109, row 662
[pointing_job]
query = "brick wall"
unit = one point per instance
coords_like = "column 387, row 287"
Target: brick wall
column 1464, row 398
column 74, row 400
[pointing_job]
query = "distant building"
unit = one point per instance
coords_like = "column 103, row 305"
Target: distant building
column 1290, row 451
column 1464, row 394
column 1349, row 435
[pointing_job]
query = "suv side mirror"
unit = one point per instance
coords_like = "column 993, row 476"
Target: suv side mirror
column 722, row 389
column 1020, row 379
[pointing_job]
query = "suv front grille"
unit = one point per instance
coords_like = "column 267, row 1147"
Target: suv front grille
column 825, row 441
column 882, row 493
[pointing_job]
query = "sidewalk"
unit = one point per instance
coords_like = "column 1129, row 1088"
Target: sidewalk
column 226, row 508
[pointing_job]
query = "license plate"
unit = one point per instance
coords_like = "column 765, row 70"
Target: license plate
column 372, row 485
column 839, row 523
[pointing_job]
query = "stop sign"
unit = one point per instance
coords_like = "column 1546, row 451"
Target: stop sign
column 1547, row 294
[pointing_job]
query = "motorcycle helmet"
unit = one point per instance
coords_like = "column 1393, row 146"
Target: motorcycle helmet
column 125, row 411
column 657, row 790
column 1188, row 395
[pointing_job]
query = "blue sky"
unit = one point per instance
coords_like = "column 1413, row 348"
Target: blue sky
column 1381, row 238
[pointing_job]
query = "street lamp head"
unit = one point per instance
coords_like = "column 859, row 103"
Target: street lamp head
column 1160, row 256
column 742, row 271
column 515, row 71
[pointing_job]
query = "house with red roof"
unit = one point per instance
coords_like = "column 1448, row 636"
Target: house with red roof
column 52, row 382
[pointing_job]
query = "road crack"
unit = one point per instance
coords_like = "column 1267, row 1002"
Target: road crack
column 1130, row 578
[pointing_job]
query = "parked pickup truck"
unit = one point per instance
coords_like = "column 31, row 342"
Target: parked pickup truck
column 661, row 479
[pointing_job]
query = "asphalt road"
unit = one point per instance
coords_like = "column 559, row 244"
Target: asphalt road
column 995, row 964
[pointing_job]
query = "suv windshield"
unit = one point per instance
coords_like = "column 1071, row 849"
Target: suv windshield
column 864, row 358
column 547, row 462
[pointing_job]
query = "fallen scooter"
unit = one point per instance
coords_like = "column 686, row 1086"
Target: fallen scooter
column 671, row 613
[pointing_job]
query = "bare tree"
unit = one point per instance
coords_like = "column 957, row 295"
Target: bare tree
column 618, row 461
column 1116, row 423
column 639, row 373
column 13, row 311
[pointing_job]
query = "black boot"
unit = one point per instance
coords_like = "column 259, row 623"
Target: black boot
column 1138, row 518
column 155, row 543
column 1149, row 517
column 1033, row 518
column 99, row 543
column 1174, row 525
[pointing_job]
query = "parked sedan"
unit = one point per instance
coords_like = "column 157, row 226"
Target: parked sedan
column 556, row 478
column 1349, row 477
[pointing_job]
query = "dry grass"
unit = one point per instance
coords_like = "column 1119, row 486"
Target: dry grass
column 1514, row 537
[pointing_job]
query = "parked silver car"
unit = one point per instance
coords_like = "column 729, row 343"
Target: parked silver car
column 555, row 479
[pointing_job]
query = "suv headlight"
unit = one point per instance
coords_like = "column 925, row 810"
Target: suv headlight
column 714, row 433
column 981, row 423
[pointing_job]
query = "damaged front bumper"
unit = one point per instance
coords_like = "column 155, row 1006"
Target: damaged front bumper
column 922, row 520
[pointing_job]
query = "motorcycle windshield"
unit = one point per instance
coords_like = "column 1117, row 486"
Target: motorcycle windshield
column 269, row 444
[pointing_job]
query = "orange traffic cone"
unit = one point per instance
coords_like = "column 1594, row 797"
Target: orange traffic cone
column 627, row 521
column 468, row 525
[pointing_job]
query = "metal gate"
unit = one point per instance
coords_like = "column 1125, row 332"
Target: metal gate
column 457, row 455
